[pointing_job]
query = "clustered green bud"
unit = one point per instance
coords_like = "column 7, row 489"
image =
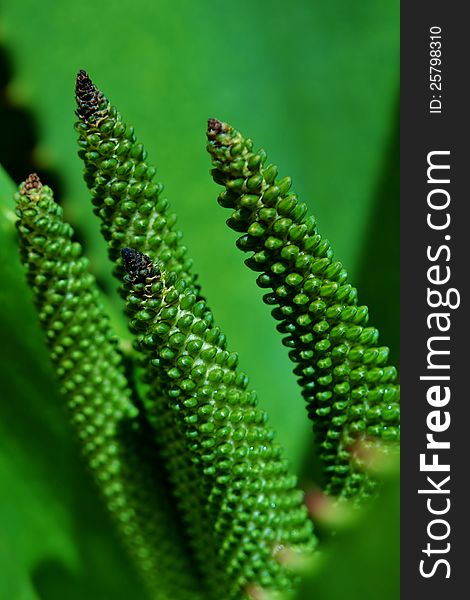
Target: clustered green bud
column 132, row 212
column 189, row 496
column 251, row 504
column 115, row 437
column 350, row 389
column 120, row 179
column 191, row 473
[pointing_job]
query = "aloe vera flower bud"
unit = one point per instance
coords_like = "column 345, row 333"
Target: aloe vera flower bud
column 349, row 387
column 116, row 440
column 251, row 503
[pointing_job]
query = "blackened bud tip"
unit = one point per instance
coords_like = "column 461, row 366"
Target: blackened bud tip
column 83, row 83
column 137, row 264
column 214, row 127
column 91, row 102
column 129, row 255
column 213, row 123
column 32, row 184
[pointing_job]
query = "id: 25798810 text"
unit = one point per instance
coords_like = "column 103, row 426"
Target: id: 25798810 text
column 435, row 70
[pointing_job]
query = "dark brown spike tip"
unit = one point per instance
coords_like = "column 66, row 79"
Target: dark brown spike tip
column 32, row 184
column 138, row 265
column 214, row 127
column 90, row 100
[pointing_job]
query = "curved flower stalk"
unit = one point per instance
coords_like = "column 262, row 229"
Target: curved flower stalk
column 350, row 390
column 115, row 438
column 120, row 179
column 251, row 504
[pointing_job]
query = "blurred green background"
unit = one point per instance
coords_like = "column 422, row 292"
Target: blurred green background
column 315, row 84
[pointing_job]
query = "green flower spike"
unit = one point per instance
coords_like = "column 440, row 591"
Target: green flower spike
column 349, row 388
column 128, row 203
column 116, row 440
column 124, row 195
column 252, row 506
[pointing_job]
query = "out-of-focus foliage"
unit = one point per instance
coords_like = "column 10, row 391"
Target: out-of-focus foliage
column 362, row 559
column 315, row 83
